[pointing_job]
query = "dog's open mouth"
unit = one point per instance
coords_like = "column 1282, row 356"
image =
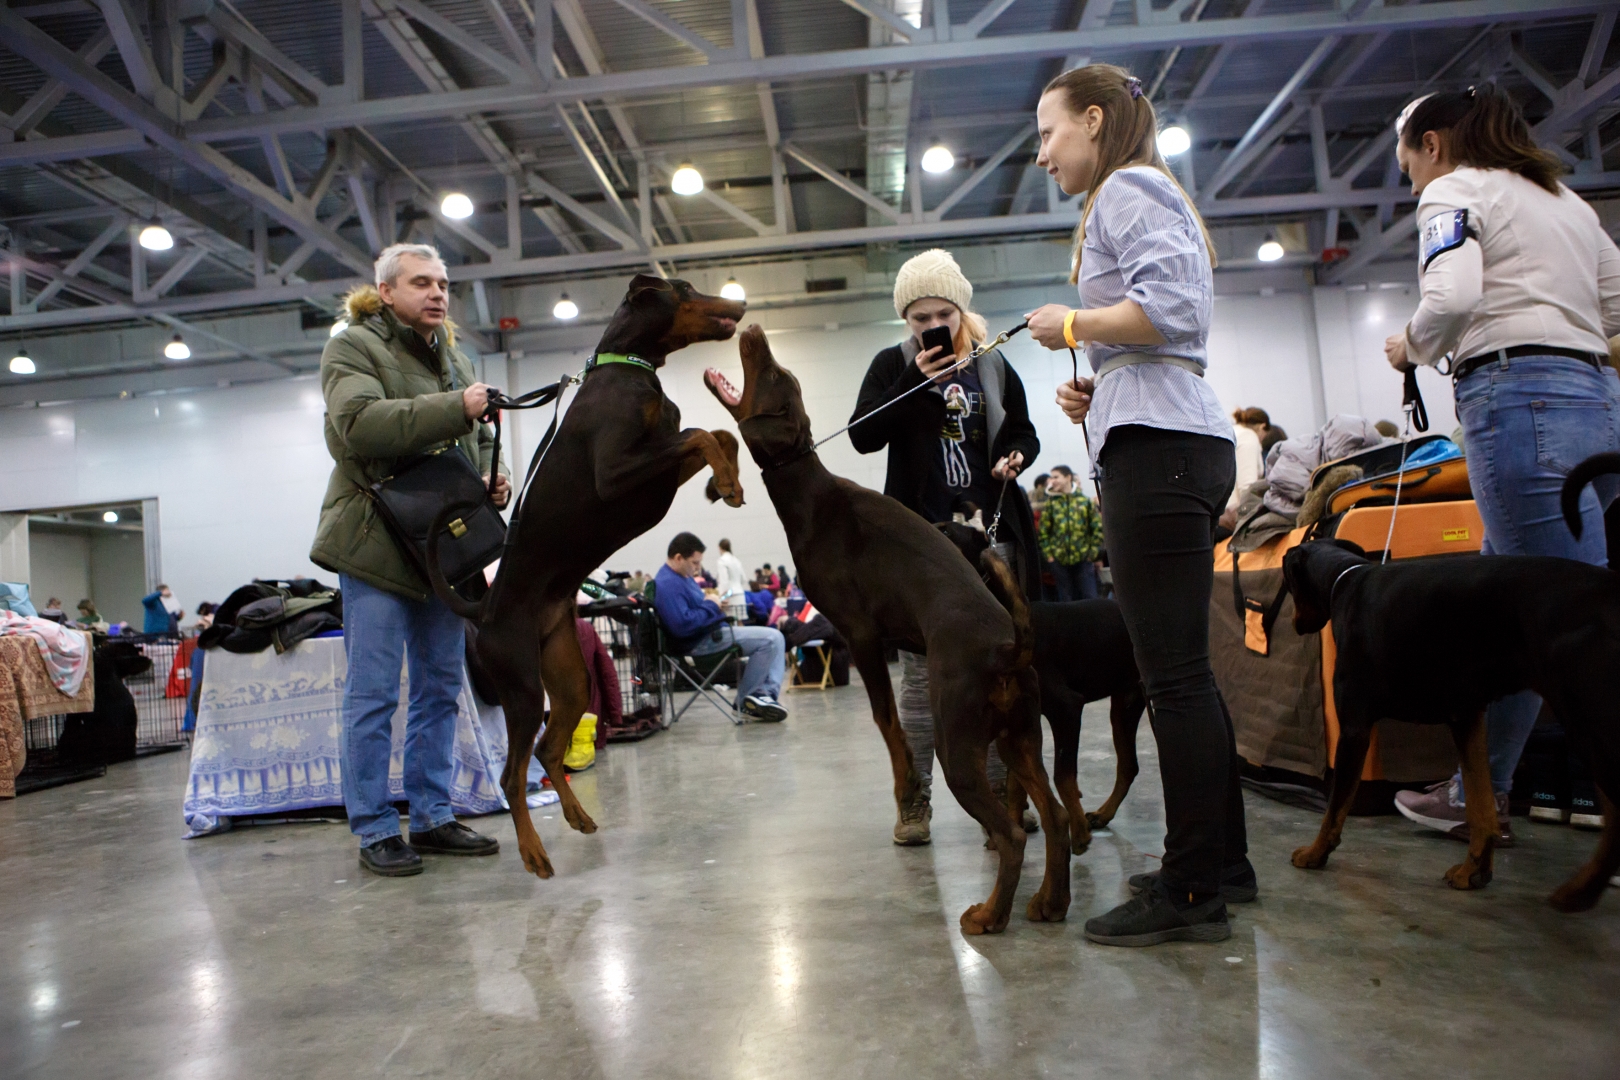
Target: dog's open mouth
column 722, row 386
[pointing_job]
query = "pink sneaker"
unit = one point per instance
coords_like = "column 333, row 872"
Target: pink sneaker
column 1440, row 807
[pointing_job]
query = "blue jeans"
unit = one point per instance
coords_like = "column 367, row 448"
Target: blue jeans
column 1526, row 423
column 1077, row 581
column 766, row 653
column 381, row 630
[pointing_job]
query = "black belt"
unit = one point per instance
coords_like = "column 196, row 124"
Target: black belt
column 1462, row 369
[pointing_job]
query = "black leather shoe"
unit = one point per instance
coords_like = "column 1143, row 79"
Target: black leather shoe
column 454, row 838
column 1152, row 918
column 391, row 858
column 1238, row 883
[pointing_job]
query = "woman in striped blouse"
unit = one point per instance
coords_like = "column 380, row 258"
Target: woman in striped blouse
column 1163, row 453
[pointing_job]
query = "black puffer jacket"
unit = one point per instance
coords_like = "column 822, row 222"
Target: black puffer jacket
column 911, row 432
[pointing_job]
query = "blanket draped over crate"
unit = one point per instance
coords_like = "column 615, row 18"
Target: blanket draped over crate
column 27, row 693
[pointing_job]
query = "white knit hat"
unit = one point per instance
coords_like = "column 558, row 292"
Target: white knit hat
column 932, row 274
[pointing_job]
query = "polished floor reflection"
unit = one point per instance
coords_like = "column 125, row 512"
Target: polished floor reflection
column 742, row 914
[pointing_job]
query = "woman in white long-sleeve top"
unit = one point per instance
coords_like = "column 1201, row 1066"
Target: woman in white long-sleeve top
column 1521, row 290
column 1165, row 466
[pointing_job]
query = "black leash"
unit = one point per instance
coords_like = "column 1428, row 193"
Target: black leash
column 534, row 399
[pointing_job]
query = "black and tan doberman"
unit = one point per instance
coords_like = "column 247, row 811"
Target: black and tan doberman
column 882, row 574
column 610, row 475
column 1082, row 654
column 1435, row 641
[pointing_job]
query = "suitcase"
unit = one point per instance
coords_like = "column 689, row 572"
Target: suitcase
column 1439, row 482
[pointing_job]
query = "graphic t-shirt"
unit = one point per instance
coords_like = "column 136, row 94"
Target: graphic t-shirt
column 960, row 468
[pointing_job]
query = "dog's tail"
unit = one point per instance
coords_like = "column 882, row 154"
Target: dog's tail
column 998, row 576
column 1593, row 467
column 441, row 587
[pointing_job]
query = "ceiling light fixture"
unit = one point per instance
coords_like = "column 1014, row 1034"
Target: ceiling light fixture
column 938, row 159
column 22, row 363
column 156, row 238
column 1270, row 251
column 566, row 309
column 733, row 291
column 177, row 349
column 1174, row 141
column 110, row 517
column 338, row 328
column 456, row 206
column 686, row 180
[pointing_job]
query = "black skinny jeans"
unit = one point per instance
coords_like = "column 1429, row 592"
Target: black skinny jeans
column 1162, row 492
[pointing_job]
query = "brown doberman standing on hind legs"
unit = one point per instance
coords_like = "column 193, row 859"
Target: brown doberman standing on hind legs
column 609, row 476
column 882, row 574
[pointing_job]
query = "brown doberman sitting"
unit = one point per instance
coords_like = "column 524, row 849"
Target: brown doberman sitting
column 882, row 574
column 1082, row 654
column 610, row 475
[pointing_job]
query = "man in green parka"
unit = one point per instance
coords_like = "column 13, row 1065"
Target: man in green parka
column 396, row 386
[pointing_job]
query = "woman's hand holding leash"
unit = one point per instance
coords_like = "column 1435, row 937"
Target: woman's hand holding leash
column 1009, row 466
column 1046, row 325
column 1395, row 351
column 1074, row 398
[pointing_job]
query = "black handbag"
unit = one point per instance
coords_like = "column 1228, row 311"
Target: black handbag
column 412, row 498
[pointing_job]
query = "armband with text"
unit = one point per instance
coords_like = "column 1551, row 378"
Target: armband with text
column 1442, row 233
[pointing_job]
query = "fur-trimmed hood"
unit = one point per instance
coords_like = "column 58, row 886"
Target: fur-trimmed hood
column 364, row 302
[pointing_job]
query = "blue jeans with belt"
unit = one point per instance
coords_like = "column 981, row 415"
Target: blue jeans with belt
column 381, row 631
column 1527, row 422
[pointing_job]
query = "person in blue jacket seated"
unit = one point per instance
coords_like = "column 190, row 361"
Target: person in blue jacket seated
column 698, row 627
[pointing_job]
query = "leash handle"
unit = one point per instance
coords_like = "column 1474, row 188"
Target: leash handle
column 1412, row 401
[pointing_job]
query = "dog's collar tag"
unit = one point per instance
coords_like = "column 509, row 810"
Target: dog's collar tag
column 619, row 358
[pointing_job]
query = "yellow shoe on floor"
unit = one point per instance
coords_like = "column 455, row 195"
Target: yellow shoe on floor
column 582, row 751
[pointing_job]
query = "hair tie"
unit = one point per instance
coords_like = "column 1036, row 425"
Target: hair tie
column 1134, row 85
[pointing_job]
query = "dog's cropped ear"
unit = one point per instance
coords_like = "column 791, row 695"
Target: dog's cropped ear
column 643, row 282
column 1309, row 615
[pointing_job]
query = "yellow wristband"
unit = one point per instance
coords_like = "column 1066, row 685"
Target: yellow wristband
column 1068, row 329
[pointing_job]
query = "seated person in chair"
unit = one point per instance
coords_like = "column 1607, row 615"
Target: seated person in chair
column 698, row 627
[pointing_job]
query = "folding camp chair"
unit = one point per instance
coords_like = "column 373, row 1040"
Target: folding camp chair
column 693, row 675
column 796, row 656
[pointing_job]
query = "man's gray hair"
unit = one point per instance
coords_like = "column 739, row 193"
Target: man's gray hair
column 388, row 261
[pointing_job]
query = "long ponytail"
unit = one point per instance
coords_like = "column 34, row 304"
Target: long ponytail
column 1129, row 136
column 1483, row 128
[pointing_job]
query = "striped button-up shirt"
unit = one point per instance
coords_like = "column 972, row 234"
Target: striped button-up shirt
column 1144, row 244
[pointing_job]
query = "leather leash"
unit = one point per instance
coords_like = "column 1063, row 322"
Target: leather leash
column 1417, row 415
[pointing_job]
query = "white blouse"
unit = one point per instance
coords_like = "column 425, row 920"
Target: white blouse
column 1539, row 270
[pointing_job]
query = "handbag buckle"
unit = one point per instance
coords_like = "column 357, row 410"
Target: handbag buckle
column 458, row 528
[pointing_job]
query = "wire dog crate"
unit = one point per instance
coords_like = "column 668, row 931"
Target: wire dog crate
column 622, row 628
column 160, row 692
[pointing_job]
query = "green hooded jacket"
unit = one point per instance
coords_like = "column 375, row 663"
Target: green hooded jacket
column 389, row 396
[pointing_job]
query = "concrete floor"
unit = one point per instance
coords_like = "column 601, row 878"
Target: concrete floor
column 743, row 914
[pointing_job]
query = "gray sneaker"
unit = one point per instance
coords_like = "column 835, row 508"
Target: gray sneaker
column 911, row 826
column 1440, row 807
column 761, row 707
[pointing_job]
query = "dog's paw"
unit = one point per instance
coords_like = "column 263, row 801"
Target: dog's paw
column 1044, row 907
column 579, row 819
column 980, row 919
column 1309, row 858
column 1096, row 821
column 1467, row 875
column 711, row 490
column 1573, row 896
column 535, row 861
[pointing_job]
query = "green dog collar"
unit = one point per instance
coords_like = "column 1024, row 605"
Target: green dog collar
column 621, row 358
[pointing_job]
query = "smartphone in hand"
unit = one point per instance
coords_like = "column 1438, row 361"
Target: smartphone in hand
column 938, row 337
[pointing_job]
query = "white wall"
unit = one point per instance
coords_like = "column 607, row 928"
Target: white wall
column 59, row 566
column 239, row 472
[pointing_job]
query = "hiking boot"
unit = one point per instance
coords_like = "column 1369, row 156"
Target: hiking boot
column 911, row 827
column 764, row 708
column 391, row 857
column 454, row 838
column 1152, row 918
column 1238, row 883
column 1440, row 807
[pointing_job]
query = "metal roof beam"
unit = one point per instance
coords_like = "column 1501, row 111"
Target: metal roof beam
column 804, row 66
column 978, row 24
column 244, row 34
column 674, row 29
column 991, row 164
column 1249, row 146
column 840, row 181
column 76, row 266
column 51, row 57
column 513, row 71
column 49, row 96
column 187, row 263
column 879, row 12
column 1597, row 44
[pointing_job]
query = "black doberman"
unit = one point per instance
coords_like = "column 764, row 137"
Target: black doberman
column 1435, row 642
column 1082, row 654
column 882, row 574
column 610, row 475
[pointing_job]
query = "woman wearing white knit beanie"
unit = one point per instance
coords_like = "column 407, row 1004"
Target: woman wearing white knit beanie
column 960, row 441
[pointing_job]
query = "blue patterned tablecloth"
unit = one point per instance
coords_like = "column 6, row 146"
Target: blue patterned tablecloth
column 269, row 731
